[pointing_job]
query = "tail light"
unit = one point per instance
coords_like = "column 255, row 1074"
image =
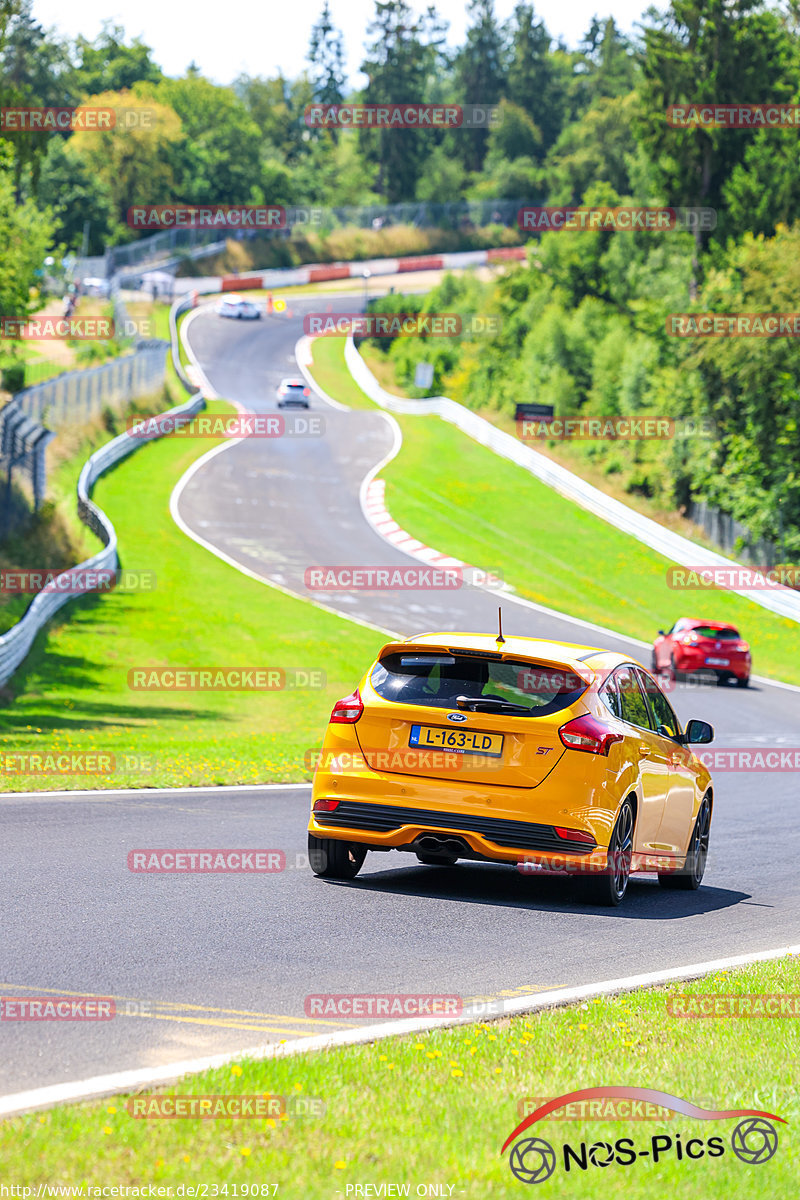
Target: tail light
column 348, row 710
column 324, row 805
column 588, row 734
column 689, row 639
column 575, row 835
column 306, row 392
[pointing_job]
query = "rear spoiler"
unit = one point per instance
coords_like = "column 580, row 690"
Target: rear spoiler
column 581, row 670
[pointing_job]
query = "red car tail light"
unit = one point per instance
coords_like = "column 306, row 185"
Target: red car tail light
column 589, row 735
column 347, row 710
column 689, row 639
column 574, row 835
column 325, row 805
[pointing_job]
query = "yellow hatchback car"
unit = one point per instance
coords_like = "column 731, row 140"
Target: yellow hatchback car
column 554, row 758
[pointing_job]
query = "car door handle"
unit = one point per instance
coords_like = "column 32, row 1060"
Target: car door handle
column 644, row 752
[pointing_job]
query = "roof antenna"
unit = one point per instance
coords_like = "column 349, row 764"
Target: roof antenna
column 501, row 641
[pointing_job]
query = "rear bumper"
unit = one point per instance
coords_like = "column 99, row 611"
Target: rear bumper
column 540, row 852
column 695, row 660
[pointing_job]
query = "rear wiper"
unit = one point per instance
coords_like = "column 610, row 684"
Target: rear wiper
column 488, row 704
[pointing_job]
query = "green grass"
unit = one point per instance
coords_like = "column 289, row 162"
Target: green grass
column 72, row 692
column 436, row 1108
column 464, row 500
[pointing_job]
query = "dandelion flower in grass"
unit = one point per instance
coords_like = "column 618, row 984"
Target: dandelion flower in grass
column 456, row 1074
column 298, row 1087
column 244, row 1150
column 186, row 1158
column 107, row 1129
column 340, row 1165
column 498, row 1070
column 383, row 1058
column 419, row 1045
column 453, row 1062
column 271, row 1122
column 583, row 1027
column 111, row 1108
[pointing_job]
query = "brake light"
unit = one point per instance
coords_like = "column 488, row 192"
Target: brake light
column 348, row 710
column 306, row 392
column 574, row 835
column 689, row 639
column 325, row 805
column 588, row 734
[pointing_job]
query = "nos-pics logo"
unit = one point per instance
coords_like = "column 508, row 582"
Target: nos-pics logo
column 754, row 1139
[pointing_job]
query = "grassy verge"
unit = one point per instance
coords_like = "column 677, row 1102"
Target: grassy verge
column 72, row 693
column 464, row 500
column 436, row 1108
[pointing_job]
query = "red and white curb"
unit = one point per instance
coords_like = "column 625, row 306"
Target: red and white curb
column 381, row 520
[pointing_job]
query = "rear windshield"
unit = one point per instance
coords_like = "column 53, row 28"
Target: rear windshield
column 439, row 679
column 719, row 635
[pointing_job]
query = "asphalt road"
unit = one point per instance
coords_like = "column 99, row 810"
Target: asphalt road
column 200, row 964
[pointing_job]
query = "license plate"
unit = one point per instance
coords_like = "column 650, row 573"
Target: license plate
column 718, row 662
column 457, row 741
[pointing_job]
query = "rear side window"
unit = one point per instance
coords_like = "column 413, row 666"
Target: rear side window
column 719, row 635
column 634, row 705
column 438, row 679
column 660, row 706
column 609, row 694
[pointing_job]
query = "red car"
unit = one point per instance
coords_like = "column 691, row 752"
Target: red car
column 702, row 645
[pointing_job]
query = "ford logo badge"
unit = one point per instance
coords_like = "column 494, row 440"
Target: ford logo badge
column 456, row 717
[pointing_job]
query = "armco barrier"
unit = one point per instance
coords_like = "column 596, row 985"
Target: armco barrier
column 781, row 600
column 15, row 644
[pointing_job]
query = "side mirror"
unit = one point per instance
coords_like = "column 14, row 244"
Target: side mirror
column 698, row 733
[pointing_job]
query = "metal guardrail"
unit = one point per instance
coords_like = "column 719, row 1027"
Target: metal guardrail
column 781, row 600
column 15, row 644
column 159, row 249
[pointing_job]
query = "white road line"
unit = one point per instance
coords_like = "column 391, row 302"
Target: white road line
column 174, row 501
column 148, row 1077
column 145, row 792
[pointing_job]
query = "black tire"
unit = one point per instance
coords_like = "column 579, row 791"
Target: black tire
column 609, row 888
column 331, row 859
column 743, row 683
column 436, row 860
column 690, row 876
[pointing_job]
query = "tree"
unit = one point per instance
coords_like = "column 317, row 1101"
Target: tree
column 534, row 80
column 25, row 235
column 400, row 62
column 701, row 52
column 35, row 68
column 109, row 64
column 479, row 76
column 218, row 161
column 71, row 189
column 137, row 165
column 326, row 56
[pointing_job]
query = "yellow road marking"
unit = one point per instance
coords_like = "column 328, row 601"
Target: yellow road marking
column 168, row 1004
